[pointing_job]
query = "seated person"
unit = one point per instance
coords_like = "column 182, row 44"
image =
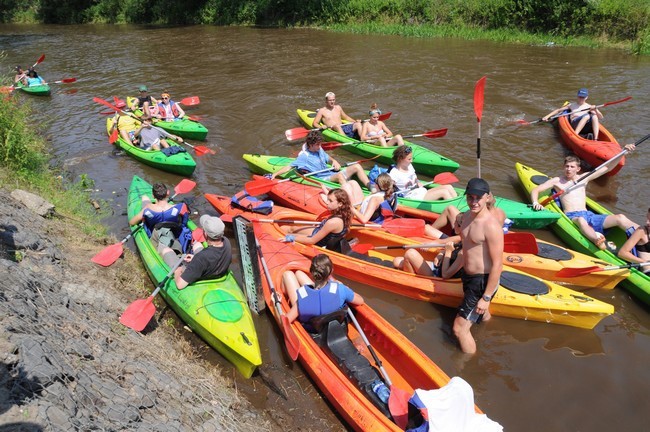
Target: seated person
column 20, row 75
column 381, row 205
column 209, row 262
column 407, row 183
column 640, row 240
column 145, row 101
column 125, row 125
column 169, row 110
column 151, row 138
column 376, row 131
column 584, row 118
column 33, row 79
column 319, row 297
column 163, row 221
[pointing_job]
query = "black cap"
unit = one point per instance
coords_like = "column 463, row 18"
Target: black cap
column 477, row 186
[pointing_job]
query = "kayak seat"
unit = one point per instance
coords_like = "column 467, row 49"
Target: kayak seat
column 333, row 337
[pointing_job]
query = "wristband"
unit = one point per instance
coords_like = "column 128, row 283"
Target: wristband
column 289, row 238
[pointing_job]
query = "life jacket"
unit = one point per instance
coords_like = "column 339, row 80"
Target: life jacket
column 174, row 218
column 331, row 241
column 249, row 203
column 162, row 110
column 314, row 302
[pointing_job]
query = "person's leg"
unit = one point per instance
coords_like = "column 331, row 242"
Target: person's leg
column 462, row 332
column 292, row 283
column 443, row 192
column 414, row 262
column 164, row 143
column 357, row 170
column 619, row 220
column 354, row 192
column 581, row 124
column 447, row 217
column 597, row 238
column 397, row 140
column 595, row 126
column 432, row 232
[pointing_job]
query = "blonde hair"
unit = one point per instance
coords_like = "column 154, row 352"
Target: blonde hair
column 329, row 94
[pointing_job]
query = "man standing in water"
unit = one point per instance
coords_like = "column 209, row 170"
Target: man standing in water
column 332, row 116
column 482, row 237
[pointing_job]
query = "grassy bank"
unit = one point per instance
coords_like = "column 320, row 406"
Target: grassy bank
column 597, row 23
column 24, row 164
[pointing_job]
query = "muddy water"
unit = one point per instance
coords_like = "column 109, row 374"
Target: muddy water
column 527, row 376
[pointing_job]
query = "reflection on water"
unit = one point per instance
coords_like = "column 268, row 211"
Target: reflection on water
column 251, row 81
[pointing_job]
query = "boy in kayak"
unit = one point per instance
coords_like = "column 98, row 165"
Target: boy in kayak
column 145, row 101
column 20, row 75
column 584, row 117
column 313, row 158
column 574, row 202
column 332, row 116
column 321, row 296
column 206, row 262
column 151, row 138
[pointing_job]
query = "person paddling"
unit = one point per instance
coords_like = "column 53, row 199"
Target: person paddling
column 332, row 116
column 584, row 118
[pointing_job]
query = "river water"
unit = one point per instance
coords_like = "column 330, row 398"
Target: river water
column 526, row 375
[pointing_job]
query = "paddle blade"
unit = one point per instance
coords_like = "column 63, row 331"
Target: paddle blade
column 439, row 133
column 575, row 272
column 259, row 186
column 66, row 81
column 445, row 178
column 109, row 255
column 362, row 248
column 198, row 235
column 479, row 90
column 296, row 133
column 138, row 314
column 331, row 145
column 6, row 89
column 113, row 136
column 385, row 116
column 405, row 227
column 203, row 150
column 290, row 339
column 39, row 61
column 195, row 118
column 185, row 186
column 190, row 101
column 398, row 405
column 520, row 242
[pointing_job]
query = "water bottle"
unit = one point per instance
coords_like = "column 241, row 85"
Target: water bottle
column 380, row 389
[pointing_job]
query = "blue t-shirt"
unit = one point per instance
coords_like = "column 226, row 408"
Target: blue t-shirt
column 313, row 161
column 314, row 302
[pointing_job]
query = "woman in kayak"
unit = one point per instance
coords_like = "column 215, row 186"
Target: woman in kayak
column 378, row 206
column 33, row 79
column 407, row 182
column 375, row 131
column 321, row 296
column 168, row 110
column 638, row 242
column 332, row 230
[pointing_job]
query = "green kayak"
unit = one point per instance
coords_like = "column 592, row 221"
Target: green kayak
column 638, row 283
column 37, row 90
column 180, row 163
column 425, row 161
column 521, row 214
column 185, row 128
column 214, row 309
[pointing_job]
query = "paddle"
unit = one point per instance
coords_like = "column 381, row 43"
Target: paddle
column 65, row 81
column 541, row 119
column 300, row 132
column 200, row 150
column 400, row 226
column 110, row 254
column 438, row 133
column 138, row 314
column 290, row 338
column 10, row 88
column 575, row 272
column 264, row 185
column 190, row 101
column 398, row 409
column 479, row 90
column 584, row 176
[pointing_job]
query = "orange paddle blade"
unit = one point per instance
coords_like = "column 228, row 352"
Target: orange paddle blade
column 398, row 405
column 109, row 255
column 405, row 227
column 185, row 186
column 138, row 314
column 190, row 101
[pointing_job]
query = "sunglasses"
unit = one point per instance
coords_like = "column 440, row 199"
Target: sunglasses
column 165, row 98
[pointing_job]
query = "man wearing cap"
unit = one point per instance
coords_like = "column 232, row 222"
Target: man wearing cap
column 206, row 263
column 584, row 118
column 482, row 238
column 145, row 101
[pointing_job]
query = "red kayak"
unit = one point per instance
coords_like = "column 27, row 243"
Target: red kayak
column 592, row 152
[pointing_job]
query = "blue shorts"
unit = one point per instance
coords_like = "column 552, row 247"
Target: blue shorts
column 595, row 221
column 348, row 129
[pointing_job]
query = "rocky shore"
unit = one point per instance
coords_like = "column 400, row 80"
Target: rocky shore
column 66, row 364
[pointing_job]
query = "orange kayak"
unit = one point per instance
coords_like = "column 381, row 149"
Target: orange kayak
column 405, row 364
column 524, row 297
column 592, row 152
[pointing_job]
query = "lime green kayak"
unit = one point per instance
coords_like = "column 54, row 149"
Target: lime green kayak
column 214, row 309
column 638, row 283
column 185, row 128
column 521, row 214
column 179, row 163
column 425, row 161
column 37, row 90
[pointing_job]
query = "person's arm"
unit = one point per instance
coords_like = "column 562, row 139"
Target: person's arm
column 332, row 225
column 494, row 243
column 284, row 169
column 448, row 269
column 138, row 217
column 181, row 113
column 373, row 204
column 180, row 282
column 363, row 136
column 548, row 116
column 625, row 251
column 387, row 132
column 534, row 194
column 292, row 315
column 316, row 123
column 344, row 116
column 336, row 166
column 611, row 164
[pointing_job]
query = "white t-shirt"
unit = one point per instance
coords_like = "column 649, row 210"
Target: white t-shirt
column 406, row 180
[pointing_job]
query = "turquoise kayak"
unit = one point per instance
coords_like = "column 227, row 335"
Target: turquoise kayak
column 638, row 283
column 521, row 214
column 425, row 161
column 215, row 309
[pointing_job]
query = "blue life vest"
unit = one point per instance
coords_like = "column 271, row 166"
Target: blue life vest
column 314, row 302
column 176, row 217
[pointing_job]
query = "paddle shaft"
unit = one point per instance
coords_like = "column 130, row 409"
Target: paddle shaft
column 370, row 348
column 330, row 145
column 584, row 176
column 590, row 108
column 168, row 276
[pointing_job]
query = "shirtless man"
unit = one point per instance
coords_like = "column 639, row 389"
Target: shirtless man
column 332, row 116
column 574, row 202
column 582, row 114
column 482, row 238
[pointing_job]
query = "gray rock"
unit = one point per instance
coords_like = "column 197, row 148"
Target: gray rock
column 33, row 202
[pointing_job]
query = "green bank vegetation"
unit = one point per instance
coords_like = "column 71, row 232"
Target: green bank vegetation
column 618, row 23
column 24, row 164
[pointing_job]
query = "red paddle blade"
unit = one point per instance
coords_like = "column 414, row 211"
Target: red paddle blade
column 190, row 101
column 405, row 227
column 330, row 145
column 290, row 339
column 260, row 186
column 185, row 186
column 439, row 133
column 198, row 235
column 385, row 116
column 520, row 242
column 445, row 178
column 6, row 89
column 40, row 60
column 195, row 118
column 296, row 133
column 203, row 150
column 138, row 314
column 66, row 80
column 362, row 248
column 575, row 272
column 398, row 405
column 479, row 90
column 113, row 136
column 108, row 255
